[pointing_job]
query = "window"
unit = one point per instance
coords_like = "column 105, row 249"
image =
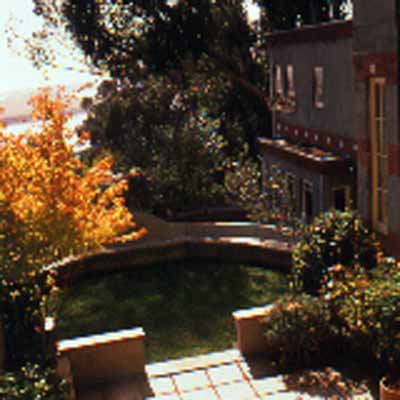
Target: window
column 291, row 93
column 307, row 208
column 278, row 80
column 341, row 198
column 379, row 155
column 291, row 187
column 319, row 87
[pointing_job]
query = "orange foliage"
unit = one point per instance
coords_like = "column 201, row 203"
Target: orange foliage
column 51, row 204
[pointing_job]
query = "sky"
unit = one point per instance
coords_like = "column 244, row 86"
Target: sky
column 17, row 72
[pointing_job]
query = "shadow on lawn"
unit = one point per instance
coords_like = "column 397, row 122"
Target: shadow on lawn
column 184, row 308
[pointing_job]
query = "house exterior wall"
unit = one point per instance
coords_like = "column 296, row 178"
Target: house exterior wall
column 375, row 55
column 357, row 57
column 336, row 118
column 330, row 127
column 322, row 184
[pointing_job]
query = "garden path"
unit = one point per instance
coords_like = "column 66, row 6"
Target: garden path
column 225, row 376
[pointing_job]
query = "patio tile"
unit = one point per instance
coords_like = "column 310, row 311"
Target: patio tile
column 191, row 363
column 245, row 370
column 193, row 380
column 271, row 385
column 162, row 385
column 236, row 391
column 165, row 397
column 225, row 374
column 204, row 394
column 293, row 396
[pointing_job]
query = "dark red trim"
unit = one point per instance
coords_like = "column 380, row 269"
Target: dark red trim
column 315, row 33
column 383, row 65
column 326, row 140
column 394, row 159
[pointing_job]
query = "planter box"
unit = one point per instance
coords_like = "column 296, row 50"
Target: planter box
column 103, row 358
column 249, row 332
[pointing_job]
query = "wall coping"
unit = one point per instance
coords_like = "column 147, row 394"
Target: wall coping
column 100, row 339
column 251, row 313
column 324, row 32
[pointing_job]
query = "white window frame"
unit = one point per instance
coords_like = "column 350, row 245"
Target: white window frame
column 319, row 87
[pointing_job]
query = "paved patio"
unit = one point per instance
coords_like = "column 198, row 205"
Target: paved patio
column 225, row 375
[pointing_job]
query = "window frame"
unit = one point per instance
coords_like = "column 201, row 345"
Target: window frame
column 290, row 89
column 278, row 80
column 306, row 185
column 379, row 155
column 319, row 87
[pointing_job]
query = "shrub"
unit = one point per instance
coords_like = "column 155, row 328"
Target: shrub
column 51, row 204
column 32, row 382
column 270, row 201
column 367, row 304
column 333, row 238
column 299, row 332
column 24, row 304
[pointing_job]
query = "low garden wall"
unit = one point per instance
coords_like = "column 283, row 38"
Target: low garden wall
column 103, row 358
column 106, row 358
column 273, row 255
column 168, row 242
column 249, row 331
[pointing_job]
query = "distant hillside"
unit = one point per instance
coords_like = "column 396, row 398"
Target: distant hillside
column 16, row 106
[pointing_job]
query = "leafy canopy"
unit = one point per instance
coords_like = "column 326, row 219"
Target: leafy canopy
column 51, row 204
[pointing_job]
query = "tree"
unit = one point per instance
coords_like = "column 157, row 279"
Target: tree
column 179, row 38
column 51, row 204
column 179, row 148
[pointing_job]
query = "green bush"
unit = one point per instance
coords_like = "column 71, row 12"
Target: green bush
column 24, row 304
column 366, row 305
column 299, row 332
column 333, row 238
column 32, row 382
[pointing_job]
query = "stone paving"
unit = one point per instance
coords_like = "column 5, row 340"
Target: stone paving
column 225, row 375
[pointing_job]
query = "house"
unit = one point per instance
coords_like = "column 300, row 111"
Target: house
column 334, row 97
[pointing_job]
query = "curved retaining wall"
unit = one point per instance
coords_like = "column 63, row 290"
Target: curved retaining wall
column 216, row 242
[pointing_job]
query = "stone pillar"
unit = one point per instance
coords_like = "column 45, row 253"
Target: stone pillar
column 249, row 331
column 103, row 358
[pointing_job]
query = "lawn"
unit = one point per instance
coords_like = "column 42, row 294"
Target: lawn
column 184, row 308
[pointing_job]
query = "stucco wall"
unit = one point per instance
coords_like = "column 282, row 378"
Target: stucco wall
column 375, row 48
column 336, row 58
column 322, row 184
column 374, row 25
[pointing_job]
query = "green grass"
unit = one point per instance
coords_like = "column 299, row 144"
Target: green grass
column 185, row 308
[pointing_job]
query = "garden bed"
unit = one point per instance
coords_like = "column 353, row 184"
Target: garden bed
column 184, row 308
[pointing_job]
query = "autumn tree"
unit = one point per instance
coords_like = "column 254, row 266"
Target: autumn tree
column 51, row 204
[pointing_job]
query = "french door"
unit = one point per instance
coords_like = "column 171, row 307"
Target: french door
column 379, row 155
